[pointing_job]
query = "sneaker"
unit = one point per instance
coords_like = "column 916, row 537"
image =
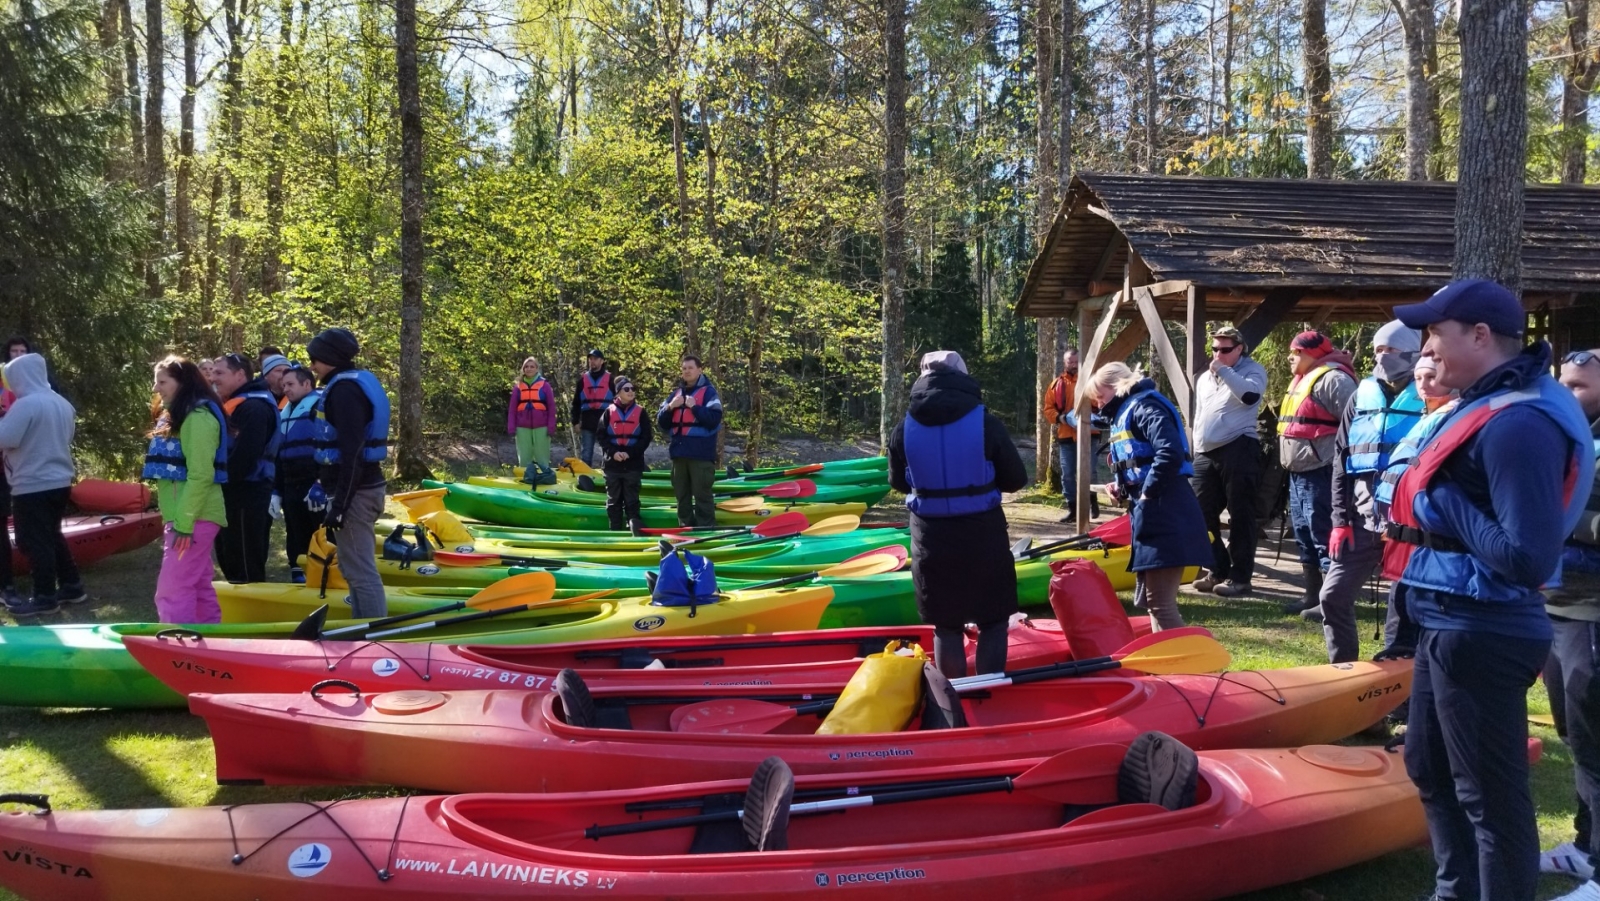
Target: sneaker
column 1232, row 589
column 297, row 575
column 1568, row 860
column 1206, row 583
column 1314, row 615
column 72, row 594
column 35, row 607
column 1589, row 891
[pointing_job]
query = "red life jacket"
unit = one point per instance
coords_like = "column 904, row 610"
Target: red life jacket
column 623, row 426
column 528, row 396
column 683, row 418
column 596, row 393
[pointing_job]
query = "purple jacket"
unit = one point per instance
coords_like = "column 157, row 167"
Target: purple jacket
column 526, row 416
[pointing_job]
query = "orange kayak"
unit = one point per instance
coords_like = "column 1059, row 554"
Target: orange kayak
column 1257, row 819
column 190, row 663
column 513, row 740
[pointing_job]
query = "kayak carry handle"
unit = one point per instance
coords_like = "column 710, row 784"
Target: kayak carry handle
column 110, row 518
column 33, row 800
column 335, row 683
column 178, row 633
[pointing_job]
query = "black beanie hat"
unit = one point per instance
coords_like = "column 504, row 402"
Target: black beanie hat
column 334, row 346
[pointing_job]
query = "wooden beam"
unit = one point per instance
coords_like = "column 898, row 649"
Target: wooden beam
column 1170, row 287
column 1177, row 374
column 1194, row 322
column 1265, row 317
column 1087, row 360
column 1132, row 335
column 1319, row 318
column 1112, row 246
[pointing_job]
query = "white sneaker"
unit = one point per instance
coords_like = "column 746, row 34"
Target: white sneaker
column 1589, row 891
column 1568, row 860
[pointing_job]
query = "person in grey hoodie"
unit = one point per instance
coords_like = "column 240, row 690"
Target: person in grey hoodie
column 36, row 438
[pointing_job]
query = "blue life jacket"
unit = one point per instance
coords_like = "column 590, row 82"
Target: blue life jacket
column 1132, row 457
column 297, row 428
column 1446, row 565
column 266, row 467
column 165, row 459
column 1378, row 424
column 685, row 580
column 947, row 469
column 326, row 436
column 1405, row 452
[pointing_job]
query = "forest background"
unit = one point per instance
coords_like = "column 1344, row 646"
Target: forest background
column 808, row 193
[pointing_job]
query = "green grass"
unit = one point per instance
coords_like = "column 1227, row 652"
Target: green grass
column 91, row 759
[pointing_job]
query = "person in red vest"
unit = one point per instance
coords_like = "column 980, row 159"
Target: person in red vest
column 692, row 416
column 531, row 418
column 1476, row 527
column 1308, row 422
column 624, row 435
column 594, row 393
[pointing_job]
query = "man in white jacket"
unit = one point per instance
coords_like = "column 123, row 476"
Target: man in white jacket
column 36, row 438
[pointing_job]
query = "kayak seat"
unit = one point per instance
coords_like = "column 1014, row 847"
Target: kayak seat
column 1157, row 773
column 941, row 704
column 766, row 806
column 724, row 836
column 579, row 709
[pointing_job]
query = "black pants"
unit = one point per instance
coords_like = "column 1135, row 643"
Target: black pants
column 1467, row 751
column 38, row 521
column 1569, row 676
column 622, row 498
column 242, row 544
column 299, row 524
column 950, row 648
column 7, row 577
column 1227, row 479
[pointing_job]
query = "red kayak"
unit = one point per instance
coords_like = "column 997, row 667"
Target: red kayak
column 97, row 536
column 1255, row 819
column 513, row 740
column 190, row 663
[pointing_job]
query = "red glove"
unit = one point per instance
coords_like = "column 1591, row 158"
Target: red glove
column 1340, row 538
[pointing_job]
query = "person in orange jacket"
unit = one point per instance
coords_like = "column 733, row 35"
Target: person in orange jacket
column 1058, row 405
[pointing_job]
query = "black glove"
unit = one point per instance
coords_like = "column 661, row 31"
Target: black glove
column 332, row 521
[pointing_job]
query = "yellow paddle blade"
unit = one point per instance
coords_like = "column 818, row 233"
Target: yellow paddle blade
column 1181, row 654
column 578, row 467
column 870, row 565
column 834, row 525
column 744, row 504
column 526, row 588
column 576, row 599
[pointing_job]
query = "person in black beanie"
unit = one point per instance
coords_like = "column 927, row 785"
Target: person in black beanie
column 624, row 434
column 252, row 448
column 351, row 435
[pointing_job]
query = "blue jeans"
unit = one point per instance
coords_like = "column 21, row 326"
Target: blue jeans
column 1067, row 462
column 586, row 445
column 1467, row 751
column 1311, row 514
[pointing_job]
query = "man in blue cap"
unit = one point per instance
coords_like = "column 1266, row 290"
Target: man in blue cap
column 1476, row 528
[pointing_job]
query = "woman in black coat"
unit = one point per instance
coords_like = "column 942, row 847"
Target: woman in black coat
column 952, row 459
column 1151, row 459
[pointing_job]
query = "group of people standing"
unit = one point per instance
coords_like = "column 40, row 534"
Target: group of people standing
column 606, row 409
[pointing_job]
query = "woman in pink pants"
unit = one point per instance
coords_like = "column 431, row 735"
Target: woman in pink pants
column 188, row 459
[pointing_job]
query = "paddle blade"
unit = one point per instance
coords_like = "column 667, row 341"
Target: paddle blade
column 744, row 505
column 1086, row 775
column 864, row 565
column 1020, row 546
column 784, row 524
column 895, row 550
column 784, row 489
column 455, row 558
column 834, row 525
column 311, row 626
column 523, row 588
column 1118, row 530
column 1179, row 654
column 738, row 716
column 1151, row 638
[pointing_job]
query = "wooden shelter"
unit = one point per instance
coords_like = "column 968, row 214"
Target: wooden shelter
column 1254, row 252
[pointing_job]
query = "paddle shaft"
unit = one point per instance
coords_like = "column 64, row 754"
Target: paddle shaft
column 465, row 618
column 390, row 620
column 691, row 803
column 807, row 643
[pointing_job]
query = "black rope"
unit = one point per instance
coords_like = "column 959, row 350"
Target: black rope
column 423, row 674
column 1221, row 678
column 383, row 873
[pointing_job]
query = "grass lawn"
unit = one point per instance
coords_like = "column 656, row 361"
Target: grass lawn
column 90, row 759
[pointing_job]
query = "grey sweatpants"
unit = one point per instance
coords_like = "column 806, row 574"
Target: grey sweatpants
column 358, row 559
column 1340, row 588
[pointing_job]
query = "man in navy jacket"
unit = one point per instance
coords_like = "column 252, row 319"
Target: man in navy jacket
column 691, row 417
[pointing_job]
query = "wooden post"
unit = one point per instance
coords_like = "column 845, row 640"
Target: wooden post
column 1088, row 358
column 1199, row 342
column 1177, row 374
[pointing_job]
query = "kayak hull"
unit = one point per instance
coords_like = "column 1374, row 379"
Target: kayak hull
column 94, row 537
column 518, row 741
column 528, row 509
column 189, row 664
column 1262, row 818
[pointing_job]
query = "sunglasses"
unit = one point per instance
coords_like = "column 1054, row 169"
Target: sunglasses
column 1224, row 350
column 1580, row 358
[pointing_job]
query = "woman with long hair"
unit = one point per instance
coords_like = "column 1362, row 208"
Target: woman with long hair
column 188, row 460
column 1152, row 463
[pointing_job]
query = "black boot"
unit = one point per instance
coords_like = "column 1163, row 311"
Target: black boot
column 1313, row 576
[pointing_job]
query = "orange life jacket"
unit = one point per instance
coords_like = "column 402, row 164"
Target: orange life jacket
column 528, row 396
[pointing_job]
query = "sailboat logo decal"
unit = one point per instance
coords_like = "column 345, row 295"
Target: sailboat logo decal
column 309, row 860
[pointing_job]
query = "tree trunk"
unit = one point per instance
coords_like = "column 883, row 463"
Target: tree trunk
column 272, row 254
column 110, row 34
column 182, row 204
column 1152, row 129
column 1422, row 101
column 894, row 220
column 1227, row 89
column 1577, row 82
column 408, row 452
column 208, row 286
column 155, row 169
column 130, row 60
column 234, row 13
column 1064, row 99
column 1494, row 141
column 1319, row 88
column 1045, row 185
column 691, row 317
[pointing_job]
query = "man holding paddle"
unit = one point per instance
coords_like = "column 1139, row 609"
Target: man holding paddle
column 952, row 459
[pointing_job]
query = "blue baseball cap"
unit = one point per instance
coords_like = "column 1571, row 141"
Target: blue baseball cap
column 1471, row 300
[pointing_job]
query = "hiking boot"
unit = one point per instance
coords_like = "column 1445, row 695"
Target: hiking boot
column 1314, row 615
column 1232, row 589
column 1568, row 860
column 1313, row 592
column 72, row 594
column 1589, row 891
column 35, row 607
column 1071, row 516
column 1206, row 583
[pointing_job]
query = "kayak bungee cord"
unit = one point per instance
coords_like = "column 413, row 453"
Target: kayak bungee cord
column 1200, row 715
column 427, row 663
column 382, row 873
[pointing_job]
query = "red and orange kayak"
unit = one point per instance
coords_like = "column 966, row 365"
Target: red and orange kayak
column 514, row 740
column 189, row 662
column 93, row 537
column 1260, row 818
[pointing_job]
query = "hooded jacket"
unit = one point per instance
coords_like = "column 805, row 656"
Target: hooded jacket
column 36, row 433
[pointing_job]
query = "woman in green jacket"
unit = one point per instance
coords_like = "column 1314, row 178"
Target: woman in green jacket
column 188, row 459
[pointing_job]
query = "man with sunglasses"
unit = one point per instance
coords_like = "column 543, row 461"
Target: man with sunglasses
column 1569, row 675
column 252, row 412
column 624, row 436
column 1227, row 460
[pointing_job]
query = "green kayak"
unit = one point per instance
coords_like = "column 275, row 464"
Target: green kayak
column 865, row 493
column 526, row 509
